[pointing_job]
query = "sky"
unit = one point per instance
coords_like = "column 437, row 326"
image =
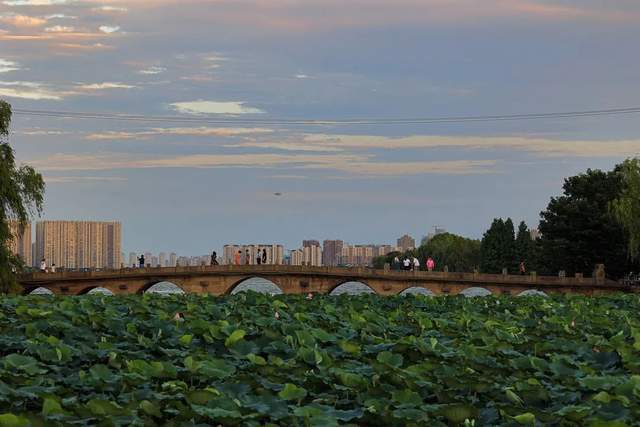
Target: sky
column 193, row 187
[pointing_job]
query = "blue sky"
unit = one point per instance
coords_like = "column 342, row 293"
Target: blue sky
column 191, row 188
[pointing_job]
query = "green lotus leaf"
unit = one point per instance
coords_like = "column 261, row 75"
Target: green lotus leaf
column 292, row 392
column 235, row 336
column 11, row 420
column 389, row 358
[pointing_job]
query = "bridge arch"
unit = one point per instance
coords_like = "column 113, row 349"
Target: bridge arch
column 41, row 291
column 417, row 290
column 351, row 287
column 163, row 288
column 96, row 290
column 532, row 292
column 476, row 291
column 256, row 284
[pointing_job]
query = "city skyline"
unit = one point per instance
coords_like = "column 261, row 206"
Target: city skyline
column 224, row 166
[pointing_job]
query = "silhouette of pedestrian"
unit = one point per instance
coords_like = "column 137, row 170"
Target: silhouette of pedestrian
column 264, row 256
column 259, row 257
column 214, row 258
column 141, row 261
column 247, row 257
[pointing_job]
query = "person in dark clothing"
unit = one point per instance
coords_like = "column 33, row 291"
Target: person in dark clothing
column 264, row 256
column 258, row 257
column 522, row 268
column 247, row 257
column 141, row 260
column 214, row 258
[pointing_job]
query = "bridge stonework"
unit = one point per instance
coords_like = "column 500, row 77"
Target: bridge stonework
column 221, row 280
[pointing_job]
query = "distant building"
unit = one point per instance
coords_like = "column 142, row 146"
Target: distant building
column 436, row 231
column 309, row 243
column 162, row 259
column 133, row 259
column 79, row 244
column 535, row 234
column 20, row 243
column 173, row 259
column 275, row 253
column 332, row 252
column 406, row 243
column 296, row 257
column 154, row 261
column 312, row 255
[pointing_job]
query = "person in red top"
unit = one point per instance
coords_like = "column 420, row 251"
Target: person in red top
column 431, row 264
column 237, row 259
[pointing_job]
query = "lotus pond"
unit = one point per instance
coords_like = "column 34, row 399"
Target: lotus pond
column 252, row 359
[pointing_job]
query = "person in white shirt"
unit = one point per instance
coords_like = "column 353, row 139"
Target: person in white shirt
column 416, row 264
column 53, row 268
column 43, row 265
column 406, row 263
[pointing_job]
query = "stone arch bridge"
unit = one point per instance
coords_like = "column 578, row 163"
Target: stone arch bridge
column 222, row 280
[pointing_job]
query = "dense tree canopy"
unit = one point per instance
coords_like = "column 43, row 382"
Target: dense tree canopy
column 626, row 208
column 498, row 248
column 455, row 252
column 21, row 193
column 579, row 229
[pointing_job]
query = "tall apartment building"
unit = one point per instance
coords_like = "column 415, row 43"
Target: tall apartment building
column 406, row 242
column 173, row 259
column 312, row 255
column 275, row 253
column 79, row 244
column 162, row 259
column 309, row 243
column 296, row 257
column 331, row 252
column 20, row 243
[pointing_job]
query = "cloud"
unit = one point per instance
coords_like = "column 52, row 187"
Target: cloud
column 197, row 131
column 105, row 85
column 152, row 70
column 114, row 9
column 286, row 146
column 82, row 179
column 22, row 20
column 107, row 29
column 28, row 90
column 213, row 107
column 60, row 29
column 539, row 146
column 36, row 2
column 358, row 165
column 6, row 66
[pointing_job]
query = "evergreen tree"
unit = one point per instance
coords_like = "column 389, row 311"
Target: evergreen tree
column 498, row 247
column 21, row 193
column 525, row 247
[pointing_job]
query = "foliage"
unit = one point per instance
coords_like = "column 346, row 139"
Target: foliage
column 525, row 247
column 456, row 252
column 367, row 360
column 498, row 247
column 579, row 230
column 626, row 208
column 21, row 193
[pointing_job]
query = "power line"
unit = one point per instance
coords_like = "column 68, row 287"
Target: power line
column 323, row 122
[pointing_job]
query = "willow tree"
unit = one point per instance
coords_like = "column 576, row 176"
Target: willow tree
column 626, row 208
column 21, row 195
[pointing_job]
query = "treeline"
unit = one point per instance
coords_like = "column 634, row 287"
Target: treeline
column 595, row 221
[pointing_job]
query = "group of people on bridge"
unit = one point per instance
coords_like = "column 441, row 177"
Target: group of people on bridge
column 408, row 263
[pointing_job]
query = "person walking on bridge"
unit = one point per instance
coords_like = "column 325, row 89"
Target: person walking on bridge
column 141, row 260
column 264, row 255
column 259, row 257
column 247, row 257
column 431, row 264
column 237, row 259
column 416, row 264
column 214, row 258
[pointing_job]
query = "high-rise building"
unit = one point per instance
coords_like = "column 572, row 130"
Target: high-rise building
column 312, row 255
column 79, row 244
column 296, row 257
column 437, row 230
column 406, row 242
column 275, row 253
column 173, row 259
column 331, row 252
column 20, row 243
column 133, row 259
column 309, row 243
column 162, row 259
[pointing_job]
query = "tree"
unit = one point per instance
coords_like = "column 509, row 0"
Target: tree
column 626, row 208
column 579, row 229
column 524, row 246
column 21, row 194
column 498, row 247
column 456, row 252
